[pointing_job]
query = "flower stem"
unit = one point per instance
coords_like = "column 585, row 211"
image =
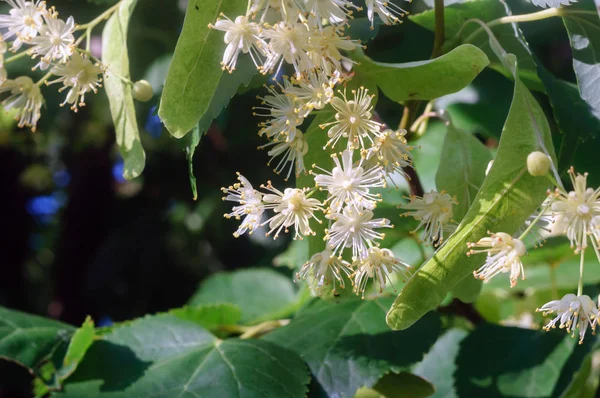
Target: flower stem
column 44, row 79
column 439, row 38
column 535, row 220
column 580, row 284
column 16, row 57
column 263, row 328
column 105, row 15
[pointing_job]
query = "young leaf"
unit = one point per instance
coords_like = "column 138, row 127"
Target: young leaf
column 260, row 293
column 462, row 168
column 508, row 196
column 195, row 75
column 165, row 356
column 122, row 109
column 27, row 339
column 584, row 33
column 411, row 81
column 526, row 363
column 347, row 344
column 80, row 342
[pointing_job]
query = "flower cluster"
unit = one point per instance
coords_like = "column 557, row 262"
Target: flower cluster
column 52, row 43
column 574, row 214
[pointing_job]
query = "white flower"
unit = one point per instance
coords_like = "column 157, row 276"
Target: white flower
column 287, row 42
column 335, row 11
column 503, row 255
column 292, row 153
column 434, row 210
column 324, row 269
column 389, row 12
column 283, row 113
column 349, row 184
column 292, row 208
column 25, row 97
column 55, row 41
column 577, row 213
column 23, row 22
column 312, row 92
column 3, row 49
column 355, row 228
column 274, row 10
column 80, row 76
column 572, row 312
column 391, row 151
column 353, row 120
column 250, row 205
column 243, row 36
column 378, row 264
column 324, row 49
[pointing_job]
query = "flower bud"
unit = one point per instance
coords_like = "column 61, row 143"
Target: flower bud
column 142, row 91
column 538, row 164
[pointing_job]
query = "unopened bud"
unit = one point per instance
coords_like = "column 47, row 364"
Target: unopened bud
column 538, row 164
column 142, row 91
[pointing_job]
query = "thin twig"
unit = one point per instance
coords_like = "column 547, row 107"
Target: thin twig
column 439, row 38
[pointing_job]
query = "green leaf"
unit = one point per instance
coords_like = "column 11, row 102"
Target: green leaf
column 508, row 196
column 462, row 168
column 210, row 317
column 508, row 35
column 552, row 3
column 438, row 366
column 526, row 363
column 28, row 339
column 166, row 356
column 403, row 385
column 81, row 341
column 260, row 293
column 195, row 75
column 191, row 141
column 412, row 81
column 584, row 34
column 347, row 344
column 585, row 381
column 122, row 109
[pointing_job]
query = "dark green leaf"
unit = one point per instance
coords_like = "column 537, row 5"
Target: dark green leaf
column 347, row 344
column 165, row 356
column 438, row 365
column 195, row 74
column 517, row 362
column 260, row 293
column 584, row 33
column 401, row 82
column 210, row 317
column 403, row 385
column 114, row 54
column 28, row 339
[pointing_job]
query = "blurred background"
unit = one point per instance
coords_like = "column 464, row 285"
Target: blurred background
column 77, row 239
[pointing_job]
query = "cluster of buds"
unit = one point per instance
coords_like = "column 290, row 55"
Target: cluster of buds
column 37, row 32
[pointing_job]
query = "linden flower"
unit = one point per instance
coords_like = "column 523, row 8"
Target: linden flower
column 349, row 184
column 80, row 76
column 292, row 208
column 287, row 42
column 354, row 227
column 55, row 41
column 572, row 312
column 353, row 120
column 578, row 212
column 25, row 97
column 335, row 11
column 3, row 49
column 391, row 151
column 291, row 152
column 434, row 210
column 325, row 46
column 283, row 113
column 240, row 36
column 389, row 12
column 250, row 205
column 324, row 269
column 503, row 255
column 312, row 92
column 378, row 264
column 24, row 21
column 287, row 10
